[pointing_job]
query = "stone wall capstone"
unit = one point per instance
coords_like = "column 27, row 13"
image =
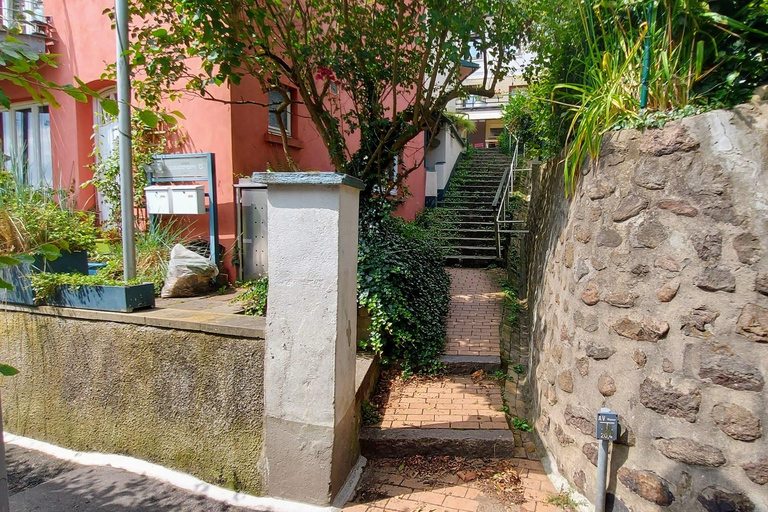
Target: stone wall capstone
column 648, row 294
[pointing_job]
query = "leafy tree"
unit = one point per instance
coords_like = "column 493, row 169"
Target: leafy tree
column 397, row 62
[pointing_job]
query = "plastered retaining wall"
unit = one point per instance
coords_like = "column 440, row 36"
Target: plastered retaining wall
column 648, row 294
column 190, row 401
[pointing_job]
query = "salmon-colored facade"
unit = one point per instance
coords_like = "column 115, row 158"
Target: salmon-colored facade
column 238, row 135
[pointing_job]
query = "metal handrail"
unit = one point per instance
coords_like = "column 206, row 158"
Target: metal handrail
column 506, row 189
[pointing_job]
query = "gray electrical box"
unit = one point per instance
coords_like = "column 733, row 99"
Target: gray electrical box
column 252, row 229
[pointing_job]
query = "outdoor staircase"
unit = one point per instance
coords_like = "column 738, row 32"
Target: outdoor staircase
column 471, row 239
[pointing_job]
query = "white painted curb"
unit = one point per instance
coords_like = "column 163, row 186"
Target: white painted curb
column 185, row 481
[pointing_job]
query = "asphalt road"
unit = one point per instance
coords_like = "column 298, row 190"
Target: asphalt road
column 41, row 483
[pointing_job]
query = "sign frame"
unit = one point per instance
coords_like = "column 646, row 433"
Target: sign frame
column 190, row 167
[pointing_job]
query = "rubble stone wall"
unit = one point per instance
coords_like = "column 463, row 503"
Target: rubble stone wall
column 648, row 294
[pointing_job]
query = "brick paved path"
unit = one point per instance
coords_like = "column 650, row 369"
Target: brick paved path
column 458, row 403
column 475, row 313
column 388, row 486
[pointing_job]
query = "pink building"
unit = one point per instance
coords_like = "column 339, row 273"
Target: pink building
column 54, row 146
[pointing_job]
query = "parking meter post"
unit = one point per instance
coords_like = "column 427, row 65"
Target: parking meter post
column 602, row 475
column 607, row 430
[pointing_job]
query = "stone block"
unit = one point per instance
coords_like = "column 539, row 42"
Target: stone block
column 736, row 421
column 726, row 369
column 691, row 452
column 757, row 470
column 681, row 208
column 714, row 279
column 629, row 207
column 717, row 499
column 753, row 323
column 651, row 329
column 647, row 484
column 747, row 247
column 669, row 400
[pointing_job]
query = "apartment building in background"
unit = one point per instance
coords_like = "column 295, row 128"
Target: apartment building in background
column 50, row 146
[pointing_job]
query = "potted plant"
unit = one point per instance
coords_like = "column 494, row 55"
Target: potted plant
column 32, row 219
column 91, row 292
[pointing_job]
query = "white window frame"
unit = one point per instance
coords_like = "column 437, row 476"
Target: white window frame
column 275, row 130
column 35, row 175
column 101, row 122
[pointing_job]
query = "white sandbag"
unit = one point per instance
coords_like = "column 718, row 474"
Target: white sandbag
column 189, row 274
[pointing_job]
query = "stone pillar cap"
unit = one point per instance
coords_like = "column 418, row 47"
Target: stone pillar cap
column 307, row 178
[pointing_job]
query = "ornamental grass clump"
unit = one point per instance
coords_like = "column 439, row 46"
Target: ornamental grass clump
column 402, row 282
column 35, row 217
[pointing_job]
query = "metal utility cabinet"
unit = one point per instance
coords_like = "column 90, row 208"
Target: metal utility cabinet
column 251, row 229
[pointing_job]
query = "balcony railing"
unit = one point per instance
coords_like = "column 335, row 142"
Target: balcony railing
column 25, row 16
column 480, row 102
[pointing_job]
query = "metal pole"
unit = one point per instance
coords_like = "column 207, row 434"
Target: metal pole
column 646, row 57
column 602, row 475
column 124, row 147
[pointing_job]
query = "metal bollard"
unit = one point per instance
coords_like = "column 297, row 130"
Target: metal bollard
column 607, row 431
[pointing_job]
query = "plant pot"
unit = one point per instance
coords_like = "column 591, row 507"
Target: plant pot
column 75, row 262
column 105, row 298
column 18, row 275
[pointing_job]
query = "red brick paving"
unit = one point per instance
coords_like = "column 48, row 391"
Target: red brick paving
column 452, row 402
column 475, row 313
column 384, row 487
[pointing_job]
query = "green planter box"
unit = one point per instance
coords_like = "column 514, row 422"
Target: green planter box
column 105, row 298
column 18, row 275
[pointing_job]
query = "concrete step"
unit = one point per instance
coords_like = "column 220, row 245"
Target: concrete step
column 459, row 260
column 482, row 216
column 480, row 204
column 474, row 225
column 470, row 250
column 466, row 365
column 469, row 233
column 405, row 442
column 469, row 241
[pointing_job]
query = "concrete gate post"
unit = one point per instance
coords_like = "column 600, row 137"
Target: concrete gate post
column 311, row 439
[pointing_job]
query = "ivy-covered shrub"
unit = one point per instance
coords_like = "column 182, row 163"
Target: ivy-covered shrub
column 402, row 282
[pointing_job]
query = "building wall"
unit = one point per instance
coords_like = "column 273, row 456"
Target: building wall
column 237, row 134
column 648, row 294
column 141, row 391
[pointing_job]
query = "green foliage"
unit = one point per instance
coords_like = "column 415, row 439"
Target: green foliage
column 518, row 369
column 499, row 375
column 564, row 500
column 369, row 413
column 505, row 409
column 8, row 370
column 146, row 142
column 372, row 53
column 45, row 284
column 254, row 296
column 22, row 67
column 521, row 424
column 462, row 122
column 529, row 116
column 34, row 219
column 703, row 55
column 403, row 284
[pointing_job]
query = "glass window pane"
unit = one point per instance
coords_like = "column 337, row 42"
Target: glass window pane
column 275, row 100
column 46, row 157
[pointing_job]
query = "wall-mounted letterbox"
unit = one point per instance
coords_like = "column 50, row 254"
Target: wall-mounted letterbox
column 187, row 199
column 158, row 199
